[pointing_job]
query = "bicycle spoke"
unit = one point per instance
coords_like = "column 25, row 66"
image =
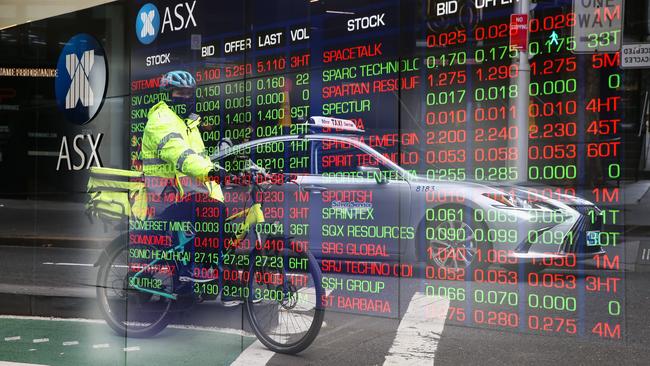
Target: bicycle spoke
column 289, row 316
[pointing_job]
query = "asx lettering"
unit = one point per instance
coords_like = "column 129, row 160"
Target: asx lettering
column 85, row 161
column 183, row 16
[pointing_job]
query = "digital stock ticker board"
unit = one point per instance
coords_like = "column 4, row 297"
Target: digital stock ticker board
column 481, row 167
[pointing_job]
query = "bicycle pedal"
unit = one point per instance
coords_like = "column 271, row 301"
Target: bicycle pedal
column 231, row 303
column 192, row 279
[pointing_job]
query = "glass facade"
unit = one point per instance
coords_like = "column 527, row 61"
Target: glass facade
column 321, row 181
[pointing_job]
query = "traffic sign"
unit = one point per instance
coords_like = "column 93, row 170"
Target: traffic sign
column 598, row 25
column 635, row 56
column 519, row 31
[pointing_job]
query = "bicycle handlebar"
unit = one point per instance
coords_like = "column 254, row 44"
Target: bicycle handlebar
column 260, row 178
column 255, row 175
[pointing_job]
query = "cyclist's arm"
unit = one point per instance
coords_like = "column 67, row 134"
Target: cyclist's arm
column 174, row 149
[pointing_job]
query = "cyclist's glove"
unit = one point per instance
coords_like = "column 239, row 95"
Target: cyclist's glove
column 215, row 175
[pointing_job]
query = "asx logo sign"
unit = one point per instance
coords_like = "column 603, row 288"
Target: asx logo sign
column 81, row 79
column 148, row 24
column 79, row 90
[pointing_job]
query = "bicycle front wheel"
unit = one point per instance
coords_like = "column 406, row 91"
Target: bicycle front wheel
column 285, row 297
column 128, row 311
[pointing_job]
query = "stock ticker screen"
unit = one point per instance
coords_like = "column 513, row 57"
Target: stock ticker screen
column 421, row 196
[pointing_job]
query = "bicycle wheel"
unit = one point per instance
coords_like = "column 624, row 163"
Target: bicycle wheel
column 128, row 311
column 284, row 303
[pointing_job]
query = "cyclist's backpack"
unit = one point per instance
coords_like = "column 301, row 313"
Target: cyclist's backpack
column 116, row 194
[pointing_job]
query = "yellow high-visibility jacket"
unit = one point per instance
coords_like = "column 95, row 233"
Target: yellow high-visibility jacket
column 172, row 148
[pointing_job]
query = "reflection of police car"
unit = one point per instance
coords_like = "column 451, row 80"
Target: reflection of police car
column 353, row 202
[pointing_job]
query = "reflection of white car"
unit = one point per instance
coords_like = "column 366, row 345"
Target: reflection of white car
column 353, row 202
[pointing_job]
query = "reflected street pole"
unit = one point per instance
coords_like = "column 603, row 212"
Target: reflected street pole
column 521, row 104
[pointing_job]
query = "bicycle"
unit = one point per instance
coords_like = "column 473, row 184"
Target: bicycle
column 280, row 287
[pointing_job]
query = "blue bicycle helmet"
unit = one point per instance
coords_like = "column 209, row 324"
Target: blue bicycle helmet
column 177, row 79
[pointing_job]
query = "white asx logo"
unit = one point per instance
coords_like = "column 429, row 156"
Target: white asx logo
column 147, row 24
column 79, row 70
column 82, row 77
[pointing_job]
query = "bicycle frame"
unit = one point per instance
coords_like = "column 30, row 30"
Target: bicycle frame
column 254, row 215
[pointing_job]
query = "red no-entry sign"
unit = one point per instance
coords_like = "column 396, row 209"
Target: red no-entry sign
column 519, row 31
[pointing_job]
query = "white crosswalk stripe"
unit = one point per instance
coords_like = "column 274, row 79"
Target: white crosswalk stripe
column 257, row 353
column 419, row 331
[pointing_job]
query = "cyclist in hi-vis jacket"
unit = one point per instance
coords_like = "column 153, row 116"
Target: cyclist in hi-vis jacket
column 172, row 147
column 175, row 163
